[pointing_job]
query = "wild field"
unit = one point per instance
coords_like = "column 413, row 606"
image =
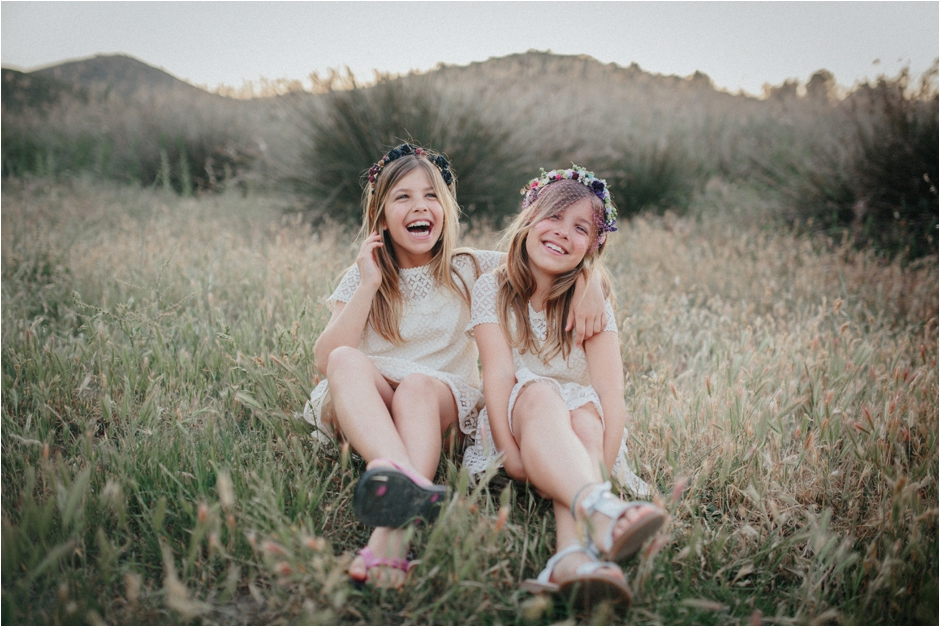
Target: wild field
column 157, row 349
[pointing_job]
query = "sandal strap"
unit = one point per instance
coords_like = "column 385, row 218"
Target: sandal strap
column 546, row 574
column 601, row 500
column 371, row 560
column 418, row 479
column 589, row 568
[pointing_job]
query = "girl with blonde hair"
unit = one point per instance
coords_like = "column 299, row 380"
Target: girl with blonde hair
column 555, row 414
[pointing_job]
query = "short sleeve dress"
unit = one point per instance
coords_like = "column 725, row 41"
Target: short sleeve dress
column 570, row 378
column 433, row 324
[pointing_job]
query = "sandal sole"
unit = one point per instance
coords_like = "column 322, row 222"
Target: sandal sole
column 386, row 497
column 585, row 592
column 632, row 540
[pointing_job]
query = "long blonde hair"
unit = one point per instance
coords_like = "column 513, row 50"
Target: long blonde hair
column 385, row 314
column 515, row 282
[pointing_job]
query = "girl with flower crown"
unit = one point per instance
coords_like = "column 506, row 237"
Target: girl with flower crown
column 555, row 413
column 400, row 371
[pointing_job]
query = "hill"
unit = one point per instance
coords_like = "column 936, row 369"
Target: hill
column 118, row 74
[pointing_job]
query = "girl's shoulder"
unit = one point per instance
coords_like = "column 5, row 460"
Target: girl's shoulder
column 346, row 288
column 482, row 261
column 488, row 283
column 483, row 301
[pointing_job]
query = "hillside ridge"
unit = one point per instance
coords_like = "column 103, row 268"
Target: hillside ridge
column 117, row 73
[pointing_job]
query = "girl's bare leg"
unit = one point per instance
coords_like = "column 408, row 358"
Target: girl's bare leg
column 403, row 425
column 423, row 408
column 562, row 451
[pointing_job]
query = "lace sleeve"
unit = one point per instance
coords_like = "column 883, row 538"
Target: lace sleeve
column 483, row 308
column 489, row 260
column 346, row 288
column 611, row 321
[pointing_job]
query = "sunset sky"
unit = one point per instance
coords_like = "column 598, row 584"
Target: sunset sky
column 740, row 45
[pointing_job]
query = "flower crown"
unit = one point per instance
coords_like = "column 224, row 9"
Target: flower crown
column 410, row 149
column 581, row 175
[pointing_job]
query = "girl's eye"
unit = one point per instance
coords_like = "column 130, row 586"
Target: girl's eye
column 582, row 229
column 554, row 216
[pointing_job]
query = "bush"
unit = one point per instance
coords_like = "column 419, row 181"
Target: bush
column 345, row 131
column 176, row 143
column 867, row 167
column 896, row 167
column 653, row 177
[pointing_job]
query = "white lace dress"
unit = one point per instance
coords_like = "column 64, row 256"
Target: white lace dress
column 433, row 324
column 570, row 378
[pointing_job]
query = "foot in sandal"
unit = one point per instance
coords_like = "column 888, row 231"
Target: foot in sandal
column 390, row 495
column 382, row 563
column 615, row 529
column 575, row 570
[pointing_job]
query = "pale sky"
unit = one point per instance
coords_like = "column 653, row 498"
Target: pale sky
column 740, row 45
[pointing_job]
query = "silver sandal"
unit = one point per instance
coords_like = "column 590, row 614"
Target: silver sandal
column 589, row 586
column 627, row 544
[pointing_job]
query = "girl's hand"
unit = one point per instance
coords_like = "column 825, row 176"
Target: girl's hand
column 588, row 314
column 369, row 271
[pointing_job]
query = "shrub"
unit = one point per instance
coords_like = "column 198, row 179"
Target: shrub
column 344, row 131
column 896, row 167
column 867, row 167
column 650, row 177
column 180, row 143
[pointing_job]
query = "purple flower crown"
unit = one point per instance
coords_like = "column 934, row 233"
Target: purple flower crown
column 410, row 149
column 581, row 175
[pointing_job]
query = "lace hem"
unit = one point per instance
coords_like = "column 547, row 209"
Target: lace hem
column 482, row 451
column 318, row 409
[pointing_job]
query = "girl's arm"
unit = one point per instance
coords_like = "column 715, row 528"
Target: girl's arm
column 499, row 377
column 588, row 314
column 606, row 369
column 349, row 319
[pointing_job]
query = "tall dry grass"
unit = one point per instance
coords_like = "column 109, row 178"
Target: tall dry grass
column 156, row 351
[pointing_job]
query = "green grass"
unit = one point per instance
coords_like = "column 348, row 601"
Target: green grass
column 156, row 351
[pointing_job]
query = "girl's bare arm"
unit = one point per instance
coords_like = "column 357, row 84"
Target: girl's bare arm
column 606, row 369
column 349, row 319
column 499, row 377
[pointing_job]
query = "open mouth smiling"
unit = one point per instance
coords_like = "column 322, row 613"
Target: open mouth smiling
column 421, row 228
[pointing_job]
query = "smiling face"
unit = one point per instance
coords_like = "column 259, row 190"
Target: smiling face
column 557, row 243
column 413, row 219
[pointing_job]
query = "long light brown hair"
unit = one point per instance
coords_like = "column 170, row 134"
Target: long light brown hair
column 385, row 314
column 515, row 282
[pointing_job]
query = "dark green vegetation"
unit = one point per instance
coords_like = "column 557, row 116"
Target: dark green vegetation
column 352, row 125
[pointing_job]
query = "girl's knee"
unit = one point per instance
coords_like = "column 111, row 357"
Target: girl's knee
column 415, row 390
column 536, row 396
column 345, row 358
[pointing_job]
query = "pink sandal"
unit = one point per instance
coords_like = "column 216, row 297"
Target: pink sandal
column 394, row 497
column 371, row 561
